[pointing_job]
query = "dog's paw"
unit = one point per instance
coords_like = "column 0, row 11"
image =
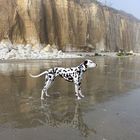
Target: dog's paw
column 76, row 94
column 78, row 98
column 42, row 98
column 82, row 95
column 47, row 95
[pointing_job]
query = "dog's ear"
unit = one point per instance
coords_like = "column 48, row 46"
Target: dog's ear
column 85, row 63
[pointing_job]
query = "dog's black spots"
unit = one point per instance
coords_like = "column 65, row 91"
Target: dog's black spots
column 61, row 75
column 79, row 84
column 64, row 71
column 78, row 72
column 55, row 70
column 51, row 72
column 70, row 78
column 50, row 76
column 78, row 78
column 85, row 62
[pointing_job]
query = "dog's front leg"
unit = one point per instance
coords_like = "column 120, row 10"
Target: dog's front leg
column 80, row 92
column 77, row 91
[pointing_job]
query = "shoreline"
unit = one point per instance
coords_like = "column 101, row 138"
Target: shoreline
column 69, row 55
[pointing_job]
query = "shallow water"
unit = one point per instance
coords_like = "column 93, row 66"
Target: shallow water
column 109, row 111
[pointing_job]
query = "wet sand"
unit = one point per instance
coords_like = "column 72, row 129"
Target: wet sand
column 109, row 111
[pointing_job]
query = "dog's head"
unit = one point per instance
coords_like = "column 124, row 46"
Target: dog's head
column 89, row 64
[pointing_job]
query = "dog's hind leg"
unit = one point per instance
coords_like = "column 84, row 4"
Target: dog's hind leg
column 44, row 90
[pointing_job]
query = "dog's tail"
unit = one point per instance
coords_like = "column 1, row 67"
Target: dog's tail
column 35, row 76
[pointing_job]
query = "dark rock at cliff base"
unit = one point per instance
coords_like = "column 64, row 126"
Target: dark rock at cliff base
column 75, row 25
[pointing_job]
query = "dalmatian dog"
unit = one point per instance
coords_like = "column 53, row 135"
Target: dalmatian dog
column 73, row 74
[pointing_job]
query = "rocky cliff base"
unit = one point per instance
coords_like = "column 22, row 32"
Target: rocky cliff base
column 19, row 51
column 9, row 51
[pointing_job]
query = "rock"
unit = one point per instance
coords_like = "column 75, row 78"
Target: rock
column 131, row 52
column 55, row 48
column 37, row 46
column 6, row 44
column 48, row 48
column 55, row 51
column 60, row 52
column 28, row 47
column 11, row 54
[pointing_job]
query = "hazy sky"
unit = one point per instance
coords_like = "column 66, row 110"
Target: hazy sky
column 129, row 6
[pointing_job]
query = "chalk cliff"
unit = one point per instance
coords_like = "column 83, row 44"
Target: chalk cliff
column 70, row 24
